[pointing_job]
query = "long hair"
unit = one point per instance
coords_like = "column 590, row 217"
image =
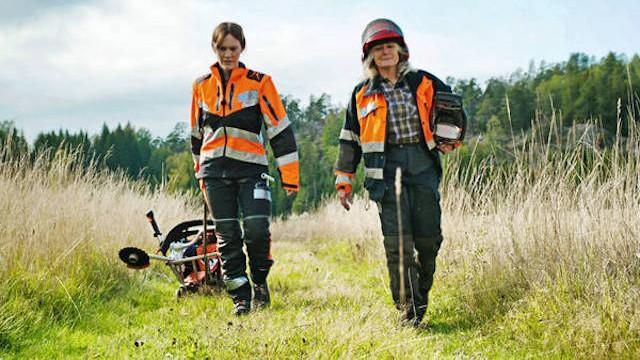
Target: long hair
column 370, row 70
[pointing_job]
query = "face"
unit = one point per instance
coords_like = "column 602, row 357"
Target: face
column 228, row 52
column 385, row 54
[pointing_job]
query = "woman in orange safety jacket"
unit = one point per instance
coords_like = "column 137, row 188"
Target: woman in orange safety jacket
column 390, row 125
column 233, row 109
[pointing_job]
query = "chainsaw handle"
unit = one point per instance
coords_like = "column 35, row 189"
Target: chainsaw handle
column 154, row 224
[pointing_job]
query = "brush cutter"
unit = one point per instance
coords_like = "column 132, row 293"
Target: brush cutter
column 183, row 251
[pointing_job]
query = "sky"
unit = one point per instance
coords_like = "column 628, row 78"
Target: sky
column 77, row 65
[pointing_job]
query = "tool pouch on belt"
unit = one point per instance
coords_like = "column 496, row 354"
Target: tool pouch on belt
column 449, row 118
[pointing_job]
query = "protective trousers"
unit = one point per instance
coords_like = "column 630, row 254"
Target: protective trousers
column 227, row 200
column 420, row 215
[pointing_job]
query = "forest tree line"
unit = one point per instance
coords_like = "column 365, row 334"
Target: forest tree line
column 579, row 89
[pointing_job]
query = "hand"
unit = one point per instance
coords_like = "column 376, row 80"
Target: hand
column 445, row 148
column 289, row 192
column 346, row 199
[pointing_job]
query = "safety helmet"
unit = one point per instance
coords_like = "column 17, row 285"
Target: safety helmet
column 381, row 29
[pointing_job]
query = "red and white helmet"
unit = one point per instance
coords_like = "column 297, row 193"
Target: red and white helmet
column 379, row 30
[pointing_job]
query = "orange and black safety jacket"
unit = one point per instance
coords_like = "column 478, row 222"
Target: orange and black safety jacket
column 227, row 118
column 364, row 132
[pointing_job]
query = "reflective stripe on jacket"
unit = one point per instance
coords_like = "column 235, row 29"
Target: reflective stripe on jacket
column 226, row 127
column 365, row 129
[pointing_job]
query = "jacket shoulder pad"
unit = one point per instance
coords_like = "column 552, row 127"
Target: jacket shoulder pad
column 360, row 85
column 254, row 75
column 438, row 84
column 202, row 78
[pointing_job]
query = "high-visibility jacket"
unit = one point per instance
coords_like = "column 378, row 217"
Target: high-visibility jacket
column 227, row 118
column 364, row 131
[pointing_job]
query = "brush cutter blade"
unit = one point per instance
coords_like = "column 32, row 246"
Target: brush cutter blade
column 134, row 258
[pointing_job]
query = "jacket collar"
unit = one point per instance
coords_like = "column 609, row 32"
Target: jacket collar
column 216, row 69
column 374, row 85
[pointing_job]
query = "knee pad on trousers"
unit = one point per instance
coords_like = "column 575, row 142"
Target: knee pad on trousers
column 428, row 246
column 256, row 229
column 228, row 229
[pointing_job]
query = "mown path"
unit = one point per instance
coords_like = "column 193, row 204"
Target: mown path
column 330, row 300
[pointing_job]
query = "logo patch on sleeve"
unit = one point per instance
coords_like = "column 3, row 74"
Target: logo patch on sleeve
column 254, row 75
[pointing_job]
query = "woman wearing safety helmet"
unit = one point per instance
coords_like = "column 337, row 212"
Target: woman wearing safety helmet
column 230, row 106
column 392, row 123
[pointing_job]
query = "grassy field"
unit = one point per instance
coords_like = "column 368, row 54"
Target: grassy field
column 541, row 259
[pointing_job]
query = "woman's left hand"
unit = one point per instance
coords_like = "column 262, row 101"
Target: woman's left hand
column 290, row 192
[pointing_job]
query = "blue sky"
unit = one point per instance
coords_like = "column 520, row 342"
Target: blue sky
column 78, row 64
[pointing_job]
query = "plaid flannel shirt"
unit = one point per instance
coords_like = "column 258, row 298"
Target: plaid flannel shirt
column 403, row 122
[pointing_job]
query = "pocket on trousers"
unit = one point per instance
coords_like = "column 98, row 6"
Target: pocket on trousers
column 375, row 187
column 261, row 192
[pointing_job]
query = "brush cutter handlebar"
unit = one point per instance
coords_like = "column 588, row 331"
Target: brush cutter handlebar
column 154, row 224
column 183, row 260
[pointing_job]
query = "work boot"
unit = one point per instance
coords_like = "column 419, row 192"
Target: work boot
column 261, row 297
column 409, row 318
column 241, row 307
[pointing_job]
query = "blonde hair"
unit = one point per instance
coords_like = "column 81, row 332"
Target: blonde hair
column 370, row 70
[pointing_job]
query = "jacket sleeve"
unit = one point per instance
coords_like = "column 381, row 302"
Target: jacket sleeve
column 280, row 134
column 196, row 128
column 349, row 151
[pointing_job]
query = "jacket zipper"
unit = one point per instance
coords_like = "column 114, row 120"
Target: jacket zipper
column 233, row 87
column 224, row 103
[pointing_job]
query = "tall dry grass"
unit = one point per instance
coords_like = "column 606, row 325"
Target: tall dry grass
column 545, row 245
column 61, row 225
column 549, row 239
column 561, row 224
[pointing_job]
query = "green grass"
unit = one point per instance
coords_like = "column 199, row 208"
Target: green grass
column 327, row 303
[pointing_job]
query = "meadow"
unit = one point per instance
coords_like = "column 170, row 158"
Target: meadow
column 541, row 259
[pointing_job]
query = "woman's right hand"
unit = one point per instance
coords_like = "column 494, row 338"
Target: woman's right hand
column 346, row 199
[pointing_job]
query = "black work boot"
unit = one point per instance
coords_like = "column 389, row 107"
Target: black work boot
column 412, row 316
column 261, row 297
column 241, row 307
